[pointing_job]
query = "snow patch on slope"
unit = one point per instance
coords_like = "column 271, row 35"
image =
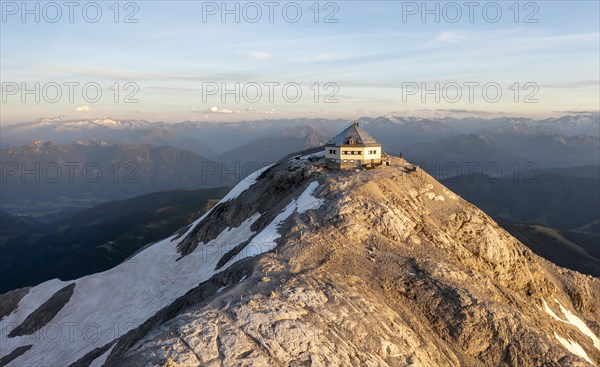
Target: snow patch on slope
column 572, row 319
column 573, row 347
column 31, row 302
column 551, row 313
column 265, row 240
column 244, row 185
column 98, row 362
column 578, row 323
column 319, row 154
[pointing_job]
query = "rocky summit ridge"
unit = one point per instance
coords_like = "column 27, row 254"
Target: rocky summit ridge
column 304, row 266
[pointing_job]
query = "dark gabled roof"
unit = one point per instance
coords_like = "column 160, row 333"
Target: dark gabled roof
column 353, row 132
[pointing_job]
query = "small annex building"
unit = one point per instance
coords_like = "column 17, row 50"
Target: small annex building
column 353, row 148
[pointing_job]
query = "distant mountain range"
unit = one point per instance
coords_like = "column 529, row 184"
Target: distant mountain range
column 41, row 176
column 210, row 139
column 193, row 155
column 66, row 130
column 550, row 199
column 503, row 154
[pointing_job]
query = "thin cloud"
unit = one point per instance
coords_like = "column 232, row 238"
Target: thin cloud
column 575, row 84
column 247, row 110
column 324, row 58
column 259, row 55
column 146, row 76
column 580, row 112
column 445, row 112
column 212, row 110
column 445, row 37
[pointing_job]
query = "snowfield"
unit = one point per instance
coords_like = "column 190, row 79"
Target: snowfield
column 105, row 306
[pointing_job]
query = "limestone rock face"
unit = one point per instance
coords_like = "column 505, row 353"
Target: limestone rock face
column 384, row 267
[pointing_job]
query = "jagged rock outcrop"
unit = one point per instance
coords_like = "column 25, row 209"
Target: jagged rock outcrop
column 384, row 267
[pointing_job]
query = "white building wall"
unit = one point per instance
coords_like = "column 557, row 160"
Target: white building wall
column 343, row 155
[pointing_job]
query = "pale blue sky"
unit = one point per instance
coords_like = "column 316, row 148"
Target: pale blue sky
column 370, row 53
